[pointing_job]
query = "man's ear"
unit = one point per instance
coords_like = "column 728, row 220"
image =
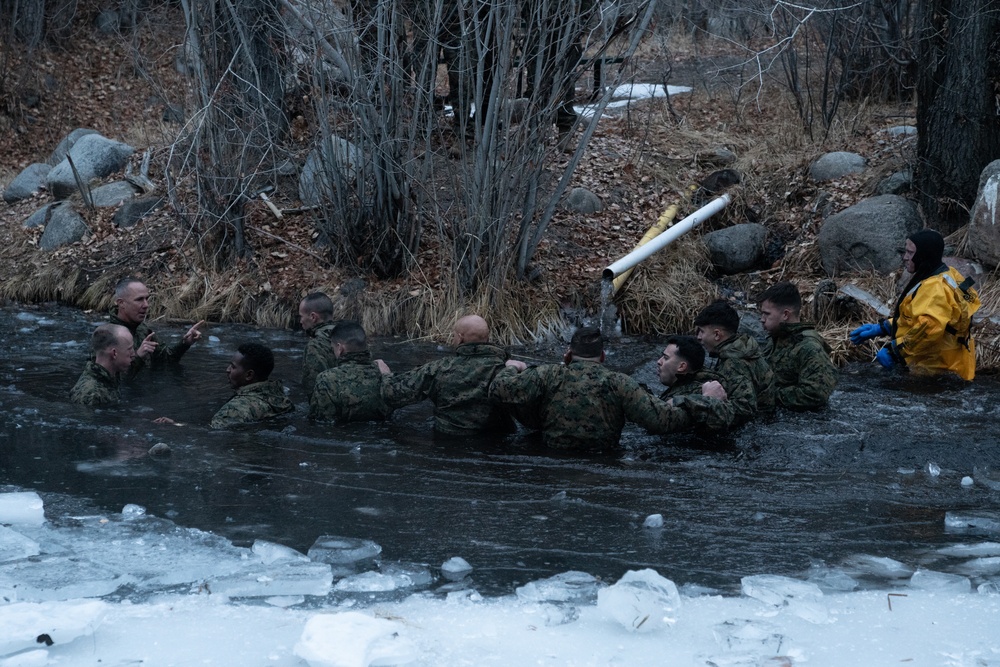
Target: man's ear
column 682, row 368
column 786, row 314
column 250, row 376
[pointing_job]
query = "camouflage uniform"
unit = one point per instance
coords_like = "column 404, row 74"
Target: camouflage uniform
column 803, row 373
column 746, row 377
column 252, row 403
column 706, row 412
column 318, row 356
column 583, row 405
column 459, row 388
column 96, row 388
column 163, row 354
column 350, row 392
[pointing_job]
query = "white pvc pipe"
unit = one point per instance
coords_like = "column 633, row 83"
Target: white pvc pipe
column 666, row 238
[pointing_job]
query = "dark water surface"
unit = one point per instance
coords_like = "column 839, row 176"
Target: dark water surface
column 778, row 498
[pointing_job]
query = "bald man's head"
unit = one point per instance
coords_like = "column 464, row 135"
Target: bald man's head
column 471, row 329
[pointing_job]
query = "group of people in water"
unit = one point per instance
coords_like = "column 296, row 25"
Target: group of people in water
column 578, row 403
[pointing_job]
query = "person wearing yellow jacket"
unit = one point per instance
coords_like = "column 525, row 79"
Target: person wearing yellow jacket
column 930, row 325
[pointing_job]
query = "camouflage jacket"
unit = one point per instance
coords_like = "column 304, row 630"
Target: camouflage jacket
column 803, row 373
column 584, row 405
column 252, row 403
column 746, row 377
column 96, row 388
column 705, row 412
column 459, row 388
column 318, row 355
column 352, row 391
column 163, row 354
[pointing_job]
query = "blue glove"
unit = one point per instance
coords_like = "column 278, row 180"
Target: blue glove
column 886, row 357
column 869, row 331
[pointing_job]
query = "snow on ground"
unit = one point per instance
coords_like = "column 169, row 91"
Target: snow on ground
column 184, row 597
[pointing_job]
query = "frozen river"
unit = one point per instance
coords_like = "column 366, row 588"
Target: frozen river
column 884, row 483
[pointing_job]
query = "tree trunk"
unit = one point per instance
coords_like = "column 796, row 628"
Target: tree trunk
column 958, row 105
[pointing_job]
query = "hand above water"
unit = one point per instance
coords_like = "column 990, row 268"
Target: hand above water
column 193, row 335
column 713, row 389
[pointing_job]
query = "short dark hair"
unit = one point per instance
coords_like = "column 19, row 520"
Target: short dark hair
column 719, row 314
column 319, row 303
column 587, row 342
column 350, row 334
column 690, row 350
column 105, row 337
column 122, row 285
column 257, row 358
column 783, row 295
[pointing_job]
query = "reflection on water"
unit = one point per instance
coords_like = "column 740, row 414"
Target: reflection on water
column 780, row 497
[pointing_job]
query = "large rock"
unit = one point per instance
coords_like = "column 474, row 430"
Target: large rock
column 896, row 184
column 582, row 200
column 984, row 224
column 59, row 154
column 64, row 226
column 112, row 194
column 738, row 248
column 334, row 158
column 28, row 182
column 868, row 236
column 39, row 218
column 94, row 156
column 134, row 210
column 837, row 164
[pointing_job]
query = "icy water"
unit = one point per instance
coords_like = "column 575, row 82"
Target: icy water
column 874, row 474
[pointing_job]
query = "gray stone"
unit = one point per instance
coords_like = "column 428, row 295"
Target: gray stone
column 59, row 154
column 582, row 200
column 65, row 226
column 837, row 164
column 868, row 236
column 112, row 194
column 95, row 157
column 716, row 157
column 40, row 217
column 897, row 184
column 134, row 210
column 902, row 131
column 333, row 159
column 738, row 248
column 984, row 223
column 28, row 182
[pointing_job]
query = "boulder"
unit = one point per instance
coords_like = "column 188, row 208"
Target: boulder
column 902, row 131
column 984, row 223
column 94, row 156
column 134, row 210
column 39, row 218
column 334, row 158
column 59, row 154
column 897, row 184
column 582, row 200
column 836, row 164
column 738, row 248
column 112, row 194
column 28, row 182
column 868, row 236
column 65, row 226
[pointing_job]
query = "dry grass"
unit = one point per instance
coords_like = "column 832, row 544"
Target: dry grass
column 667, row 291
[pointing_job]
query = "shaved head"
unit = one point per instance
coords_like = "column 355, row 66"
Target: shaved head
column 472, row 329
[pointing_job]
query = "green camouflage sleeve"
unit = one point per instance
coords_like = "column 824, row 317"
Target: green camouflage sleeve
column 511, row 387
column 647, row 410
column 706, row 412
column 410, row 387
column 817, row 377
column 317, row 357
column 236, row 410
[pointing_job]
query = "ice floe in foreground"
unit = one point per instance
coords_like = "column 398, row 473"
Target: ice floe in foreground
column 133, row 589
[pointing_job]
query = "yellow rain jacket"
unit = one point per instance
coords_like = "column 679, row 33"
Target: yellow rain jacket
column 931, row 333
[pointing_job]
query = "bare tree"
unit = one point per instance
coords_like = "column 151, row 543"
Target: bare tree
column 241, row 117
column 958, row 104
